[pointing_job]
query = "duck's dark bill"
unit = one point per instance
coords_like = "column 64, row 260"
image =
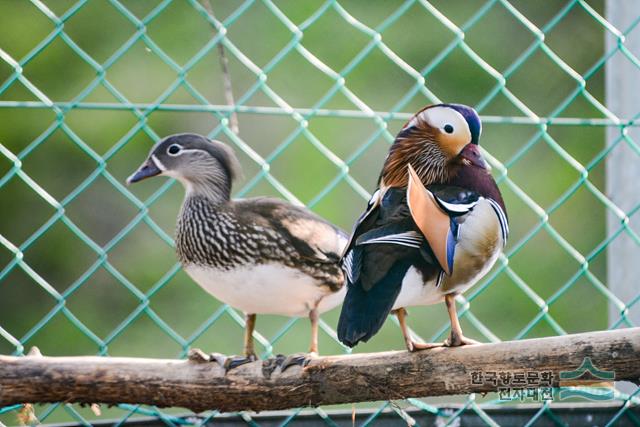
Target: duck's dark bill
column 472, row 154
column 148, row 169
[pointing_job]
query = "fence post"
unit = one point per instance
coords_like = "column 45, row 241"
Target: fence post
column 623, row 166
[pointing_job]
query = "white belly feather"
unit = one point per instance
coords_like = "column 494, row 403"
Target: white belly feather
column 266, row 289
column 415, row 292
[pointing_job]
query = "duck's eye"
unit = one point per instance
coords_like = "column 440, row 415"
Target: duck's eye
column 174, row 149
column 448, row 128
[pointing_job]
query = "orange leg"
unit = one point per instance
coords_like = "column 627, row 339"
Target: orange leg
column 250, row 322
column 401, row 313
column 456, row 338
column 314, row 317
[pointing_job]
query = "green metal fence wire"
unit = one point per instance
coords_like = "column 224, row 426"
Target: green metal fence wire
column 338, row 101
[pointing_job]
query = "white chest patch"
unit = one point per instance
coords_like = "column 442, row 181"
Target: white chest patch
column 266, row 289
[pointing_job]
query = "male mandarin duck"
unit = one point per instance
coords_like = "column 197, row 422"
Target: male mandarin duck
column 259, row 255
column 435, row 225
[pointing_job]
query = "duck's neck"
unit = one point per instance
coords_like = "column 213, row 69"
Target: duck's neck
column 425, row 157
column 205, row 221
column 215, row 190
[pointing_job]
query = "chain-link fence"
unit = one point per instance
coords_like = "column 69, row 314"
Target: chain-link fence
column 321, row 87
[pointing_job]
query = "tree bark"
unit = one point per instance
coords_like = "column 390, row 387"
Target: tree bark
column 200, row 383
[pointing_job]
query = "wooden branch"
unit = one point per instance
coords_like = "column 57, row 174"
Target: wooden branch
column 200, row 383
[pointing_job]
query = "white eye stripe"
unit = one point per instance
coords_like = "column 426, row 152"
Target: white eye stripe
column 441, row 117
column 194, row 150
column 184, row 150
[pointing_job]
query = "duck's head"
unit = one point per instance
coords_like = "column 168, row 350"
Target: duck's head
column 205, row 167
column 436, row 141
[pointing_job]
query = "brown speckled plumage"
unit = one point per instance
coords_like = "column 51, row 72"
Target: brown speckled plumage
column 259, row 255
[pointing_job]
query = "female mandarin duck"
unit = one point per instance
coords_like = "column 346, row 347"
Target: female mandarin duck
column 260, row 255
column 435, row 225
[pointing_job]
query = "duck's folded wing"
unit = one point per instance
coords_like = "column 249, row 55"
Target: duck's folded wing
column 376, row 264
column 400, row 233
column 312, row 237
column 365, row 222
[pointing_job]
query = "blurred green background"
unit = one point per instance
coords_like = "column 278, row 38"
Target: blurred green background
column 134, row 299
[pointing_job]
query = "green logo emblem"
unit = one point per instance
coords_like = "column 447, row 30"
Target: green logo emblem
column 587, row 382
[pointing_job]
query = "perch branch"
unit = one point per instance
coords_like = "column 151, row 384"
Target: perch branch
column 200, row 383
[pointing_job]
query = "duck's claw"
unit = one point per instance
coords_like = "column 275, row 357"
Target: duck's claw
column 219, row 358
column 233, row 362
column 296, row 359
column 284, row 362
column 230, row 362
column 271, row 364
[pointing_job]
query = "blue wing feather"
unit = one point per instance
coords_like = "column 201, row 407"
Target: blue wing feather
column 451, row 249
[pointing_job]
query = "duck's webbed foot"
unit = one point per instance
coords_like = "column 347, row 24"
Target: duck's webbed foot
column 296, row 359
column 457, row 340
column 413, row 346
column 231, row 362
column 283, row 362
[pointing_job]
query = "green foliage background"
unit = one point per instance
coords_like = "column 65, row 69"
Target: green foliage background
column 59, row 165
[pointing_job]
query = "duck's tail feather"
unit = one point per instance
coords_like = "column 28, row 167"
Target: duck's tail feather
column 364, row 311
